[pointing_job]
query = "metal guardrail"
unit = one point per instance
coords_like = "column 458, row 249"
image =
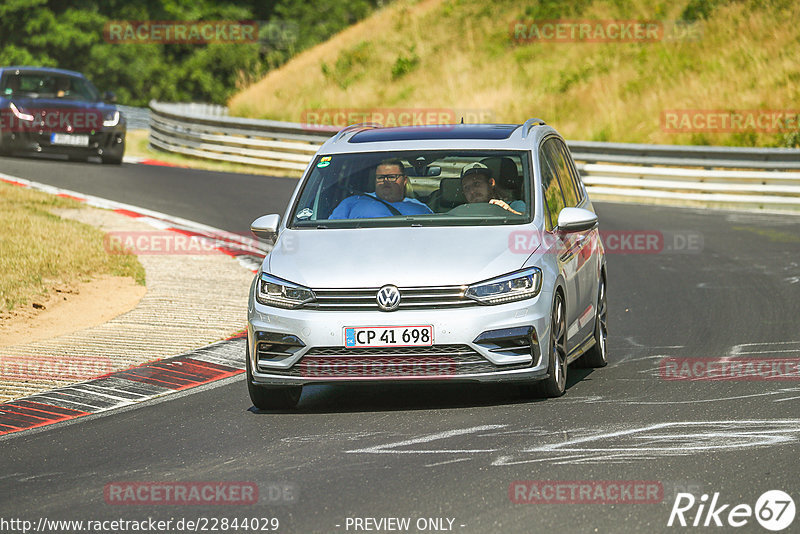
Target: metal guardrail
column 686, row 156
column 137, row 118
column 183, row 129
column 640, row 171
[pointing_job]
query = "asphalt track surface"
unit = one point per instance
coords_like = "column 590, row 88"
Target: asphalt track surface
column 453, row 451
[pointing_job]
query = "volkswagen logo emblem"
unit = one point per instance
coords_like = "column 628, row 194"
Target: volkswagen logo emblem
column 388, row 298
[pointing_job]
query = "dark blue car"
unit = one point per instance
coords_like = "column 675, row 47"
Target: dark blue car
column 58, row 111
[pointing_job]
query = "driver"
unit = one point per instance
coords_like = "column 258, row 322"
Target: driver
column 479, row 186
column 388, row 199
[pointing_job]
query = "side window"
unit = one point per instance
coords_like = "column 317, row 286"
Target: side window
column 551, row 189
column 561, row 166
column 576, row 177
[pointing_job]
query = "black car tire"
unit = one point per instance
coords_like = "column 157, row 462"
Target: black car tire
column 556, row 382
column 271, row 397
column 114, row 156
column 597, row 356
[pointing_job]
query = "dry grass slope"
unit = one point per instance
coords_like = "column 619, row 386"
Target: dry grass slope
column 461, row 54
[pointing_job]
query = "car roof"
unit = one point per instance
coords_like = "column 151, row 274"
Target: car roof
column 46, row 70
column 374, row 138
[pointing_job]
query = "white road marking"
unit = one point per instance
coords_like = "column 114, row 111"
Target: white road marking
column 661, row 440
column 716, row 399
column 623, row 445
column 740, row 349
column 391, row 448
column 448, row 462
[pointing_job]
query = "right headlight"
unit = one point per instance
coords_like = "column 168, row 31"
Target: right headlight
column 510, row 287
column 111, row 119
column 274, row 291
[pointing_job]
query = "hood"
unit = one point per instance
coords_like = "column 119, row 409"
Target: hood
column 26, row 104
column 405, row 257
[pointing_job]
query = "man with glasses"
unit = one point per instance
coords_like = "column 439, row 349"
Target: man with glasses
column 389, row 198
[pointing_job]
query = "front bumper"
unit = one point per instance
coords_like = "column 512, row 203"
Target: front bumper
column 106, row 140
column 472, row 344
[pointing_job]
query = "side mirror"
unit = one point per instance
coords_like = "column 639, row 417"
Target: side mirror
column 109, row 97
column 576, row 220
column 266, row 227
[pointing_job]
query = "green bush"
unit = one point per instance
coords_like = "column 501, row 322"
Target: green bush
column 405, row 64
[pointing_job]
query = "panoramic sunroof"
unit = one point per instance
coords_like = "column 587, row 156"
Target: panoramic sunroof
column 455, row 131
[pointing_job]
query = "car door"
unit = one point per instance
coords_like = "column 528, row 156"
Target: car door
column 559, row 244
column 589, row 273
column 579, row 246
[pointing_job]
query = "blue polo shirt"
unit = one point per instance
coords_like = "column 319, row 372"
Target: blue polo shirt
column 518, row 205
column 368, row 206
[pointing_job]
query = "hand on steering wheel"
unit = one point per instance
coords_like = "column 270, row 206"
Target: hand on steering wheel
column 504, row 205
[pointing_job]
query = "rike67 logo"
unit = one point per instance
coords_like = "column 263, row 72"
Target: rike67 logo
column 774, row 510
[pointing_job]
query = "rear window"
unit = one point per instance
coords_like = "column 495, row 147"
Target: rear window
column 408, row 188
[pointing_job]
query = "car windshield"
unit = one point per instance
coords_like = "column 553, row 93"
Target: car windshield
column 415, row 188
column 48, row 85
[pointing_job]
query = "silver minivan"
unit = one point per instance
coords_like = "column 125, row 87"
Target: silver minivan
column 446, row 253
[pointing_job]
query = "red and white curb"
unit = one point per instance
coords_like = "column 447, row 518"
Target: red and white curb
column 149, row 161
column 127, row 387
column 150, row 380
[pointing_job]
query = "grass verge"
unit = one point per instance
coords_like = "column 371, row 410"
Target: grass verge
column 39, row 250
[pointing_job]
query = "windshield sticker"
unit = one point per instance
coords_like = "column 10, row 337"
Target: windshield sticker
column 305, row 213
column 324, row 162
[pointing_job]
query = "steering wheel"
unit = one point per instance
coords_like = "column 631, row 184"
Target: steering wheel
column 479, row 209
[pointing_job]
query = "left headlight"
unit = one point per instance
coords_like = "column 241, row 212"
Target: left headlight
column 19, row 114
column 510, row 287
column 274, row 291
column 111, row 119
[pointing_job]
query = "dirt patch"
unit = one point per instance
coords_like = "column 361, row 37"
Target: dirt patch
column 68, row 309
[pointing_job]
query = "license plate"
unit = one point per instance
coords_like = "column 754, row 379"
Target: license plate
column 388, row 336
column 69, row 139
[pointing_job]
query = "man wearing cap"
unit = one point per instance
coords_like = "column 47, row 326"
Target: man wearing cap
column 479, row 186
column 388, row 199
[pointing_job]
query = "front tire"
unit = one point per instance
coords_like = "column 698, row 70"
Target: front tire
column 556, row 382
column 114, row 157
column 271, row 397
column 597, row 356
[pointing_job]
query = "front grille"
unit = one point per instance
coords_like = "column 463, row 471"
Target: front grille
column 438, row 361
column 364, row 299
